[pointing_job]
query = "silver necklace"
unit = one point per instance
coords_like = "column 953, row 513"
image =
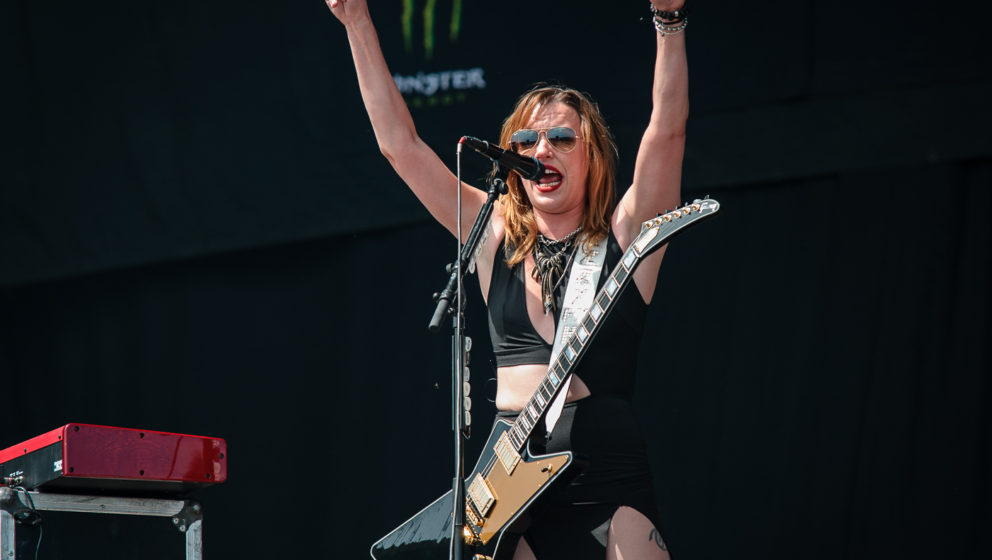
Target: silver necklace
column 550, row 263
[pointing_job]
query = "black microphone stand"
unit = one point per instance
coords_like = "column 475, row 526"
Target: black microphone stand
column 460, row 346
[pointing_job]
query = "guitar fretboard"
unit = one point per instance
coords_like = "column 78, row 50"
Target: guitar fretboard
column 573, row 349
column 654, row 233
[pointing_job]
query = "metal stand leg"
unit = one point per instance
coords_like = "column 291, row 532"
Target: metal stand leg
column 21, row 507
column 10, row 515
column 190, row 521
column 8, row 549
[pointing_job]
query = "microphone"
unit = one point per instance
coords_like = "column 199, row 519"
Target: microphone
column 528, row 167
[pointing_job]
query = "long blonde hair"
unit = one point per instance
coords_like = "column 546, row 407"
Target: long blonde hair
column 521, row 228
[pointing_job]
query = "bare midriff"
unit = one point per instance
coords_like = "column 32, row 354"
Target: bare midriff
column 516, row 385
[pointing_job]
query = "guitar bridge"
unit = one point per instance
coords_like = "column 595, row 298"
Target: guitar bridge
column 481, row 496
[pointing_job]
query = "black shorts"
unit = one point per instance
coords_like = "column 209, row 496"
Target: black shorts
column 571, row 519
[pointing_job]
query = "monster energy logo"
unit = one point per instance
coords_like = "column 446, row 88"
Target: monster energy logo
column 435, row 88
column 454, row 27
column 432, row 82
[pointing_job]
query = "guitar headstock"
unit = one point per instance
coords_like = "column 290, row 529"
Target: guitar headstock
column 658, row 230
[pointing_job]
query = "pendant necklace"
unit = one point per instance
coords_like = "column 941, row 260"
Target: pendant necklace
column 550, row 263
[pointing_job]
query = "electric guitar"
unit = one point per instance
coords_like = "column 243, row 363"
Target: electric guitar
column 508, row 478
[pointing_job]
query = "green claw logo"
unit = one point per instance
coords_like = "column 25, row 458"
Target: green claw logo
column 406, row 19
column 436, row 87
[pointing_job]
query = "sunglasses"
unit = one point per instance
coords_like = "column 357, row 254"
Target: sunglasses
column 561, row 138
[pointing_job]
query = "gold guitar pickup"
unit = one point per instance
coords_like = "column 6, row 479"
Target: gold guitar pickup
column 506, row 454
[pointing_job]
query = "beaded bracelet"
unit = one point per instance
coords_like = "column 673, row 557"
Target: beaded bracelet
column 670, row 18
column 669, row 23
column 665, row 29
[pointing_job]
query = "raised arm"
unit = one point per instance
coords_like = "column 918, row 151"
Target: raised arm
column 658, row 168
column 415, row 162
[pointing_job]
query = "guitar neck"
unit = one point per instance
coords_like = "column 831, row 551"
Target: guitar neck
column 574, row 348
column 654, row 233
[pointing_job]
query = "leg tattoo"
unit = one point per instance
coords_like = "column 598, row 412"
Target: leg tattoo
column 655, row 536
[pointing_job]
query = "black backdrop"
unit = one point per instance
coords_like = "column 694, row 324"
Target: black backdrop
column 198, row 235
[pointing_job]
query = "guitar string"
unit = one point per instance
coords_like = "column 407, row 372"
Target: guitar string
column 620, row 286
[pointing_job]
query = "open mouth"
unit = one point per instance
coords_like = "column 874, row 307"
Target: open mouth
column 550, row 181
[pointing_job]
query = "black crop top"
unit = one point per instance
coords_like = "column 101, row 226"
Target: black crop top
column 608, row 365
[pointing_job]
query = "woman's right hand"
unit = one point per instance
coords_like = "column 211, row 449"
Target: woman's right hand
column 348, row 11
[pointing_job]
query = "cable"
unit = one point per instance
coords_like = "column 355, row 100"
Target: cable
column 31, row 520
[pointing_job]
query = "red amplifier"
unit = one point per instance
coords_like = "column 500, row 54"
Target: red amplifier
column 84, row 457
